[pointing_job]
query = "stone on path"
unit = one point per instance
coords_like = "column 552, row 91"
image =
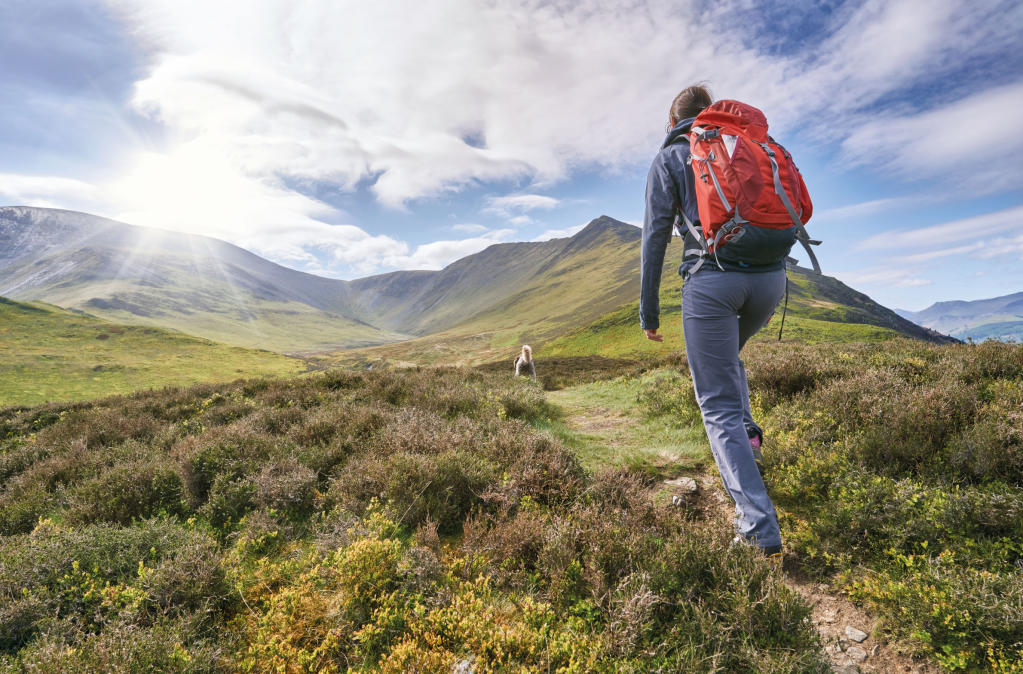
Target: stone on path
column 856, row 653
column 855, row 634
column 684, row 484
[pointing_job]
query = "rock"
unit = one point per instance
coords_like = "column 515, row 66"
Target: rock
column 845, row 669
column 833, row 649
column 856, row 635
column 684, row 484
column 856, row 653
column 463, row 667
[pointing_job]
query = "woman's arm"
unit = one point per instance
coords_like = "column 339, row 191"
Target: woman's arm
column 661, row 197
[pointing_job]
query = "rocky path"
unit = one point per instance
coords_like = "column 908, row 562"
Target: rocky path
column 846, row 630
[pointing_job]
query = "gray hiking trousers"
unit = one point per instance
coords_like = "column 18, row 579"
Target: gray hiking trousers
column 720, row 312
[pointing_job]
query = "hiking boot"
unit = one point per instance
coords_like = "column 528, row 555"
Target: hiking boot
column 756, row 439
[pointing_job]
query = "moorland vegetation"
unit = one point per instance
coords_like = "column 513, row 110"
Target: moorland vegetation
column 423, row 519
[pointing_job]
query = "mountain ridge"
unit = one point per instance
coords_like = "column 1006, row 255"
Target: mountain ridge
column 995, row 317
column 513, row 293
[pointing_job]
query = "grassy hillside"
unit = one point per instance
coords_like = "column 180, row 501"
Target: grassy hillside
column 820, row 309
column 587, row 304
column 429, row 519
column 570, row 282
column 195, row 306
column 47, row 353
column 515, row 290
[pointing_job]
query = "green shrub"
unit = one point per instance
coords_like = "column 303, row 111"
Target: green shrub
column 133, row 490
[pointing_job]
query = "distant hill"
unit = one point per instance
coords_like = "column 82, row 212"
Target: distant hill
column 195, row 284
column 49, row 353
column 995, row 318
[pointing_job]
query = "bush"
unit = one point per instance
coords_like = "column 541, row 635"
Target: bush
column 135, row 490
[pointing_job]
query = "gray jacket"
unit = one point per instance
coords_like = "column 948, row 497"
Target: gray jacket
column 670, row 186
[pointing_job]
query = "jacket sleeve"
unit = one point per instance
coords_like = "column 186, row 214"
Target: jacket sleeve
column 661, row 197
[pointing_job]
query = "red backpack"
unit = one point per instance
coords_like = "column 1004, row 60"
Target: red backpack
column 744, row 179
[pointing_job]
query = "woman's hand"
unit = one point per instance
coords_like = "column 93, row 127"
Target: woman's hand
column 652, row 334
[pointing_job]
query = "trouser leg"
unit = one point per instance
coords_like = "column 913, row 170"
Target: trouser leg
column 719, row 310
column 765, row 292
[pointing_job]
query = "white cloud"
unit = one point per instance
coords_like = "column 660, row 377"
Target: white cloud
column 521, row 202
column 472, row 229
column 889, row 276
column 48, row 191
column 862, row 210
column 423, row 99
column 977, row 139
column 560, row 233
column 521, row 220
column 972, row 228
column 909, row 255
column 440, row 254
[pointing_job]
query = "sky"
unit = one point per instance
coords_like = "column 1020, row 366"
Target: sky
column 354, row 138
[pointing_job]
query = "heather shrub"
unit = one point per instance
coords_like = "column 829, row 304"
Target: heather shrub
column 286, row 486
column 778, row 373
column 226, row 454
column 228, row 500
column 100, row 427
column 169, row 646
column 127, row 492
column 189, row 578
column 364, row 520
column 21, row 507
column 967, row 619
column 908, row 462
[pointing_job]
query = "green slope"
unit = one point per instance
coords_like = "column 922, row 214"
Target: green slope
column 820, row 309
column 518, row 288
column 48, row 353
column 518, row 293
column 587, row 303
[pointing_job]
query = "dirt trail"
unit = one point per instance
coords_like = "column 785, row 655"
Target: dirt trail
column 832, row 612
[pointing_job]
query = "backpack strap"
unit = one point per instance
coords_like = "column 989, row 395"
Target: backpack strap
column 703, row 251
column 802, row 236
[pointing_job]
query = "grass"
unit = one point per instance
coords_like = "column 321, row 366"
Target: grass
column 212, row 310
column 47, row 353
column 606, row 426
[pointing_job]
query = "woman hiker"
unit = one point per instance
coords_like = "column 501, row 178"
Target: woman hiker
column 724, row 303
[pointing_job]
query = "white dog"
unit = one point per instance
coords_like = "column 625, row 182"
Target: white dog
column 524, row 362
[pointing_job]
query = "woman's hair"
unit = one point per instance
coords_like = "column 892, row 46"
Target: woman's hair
column 690, row 102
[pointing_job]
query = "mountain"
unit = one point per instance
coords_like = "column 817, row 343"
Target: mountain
column 528, row 289
column 195, row 284
column 997, row 318
column 483, row 305
column 216, row 290
column 820, row 308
